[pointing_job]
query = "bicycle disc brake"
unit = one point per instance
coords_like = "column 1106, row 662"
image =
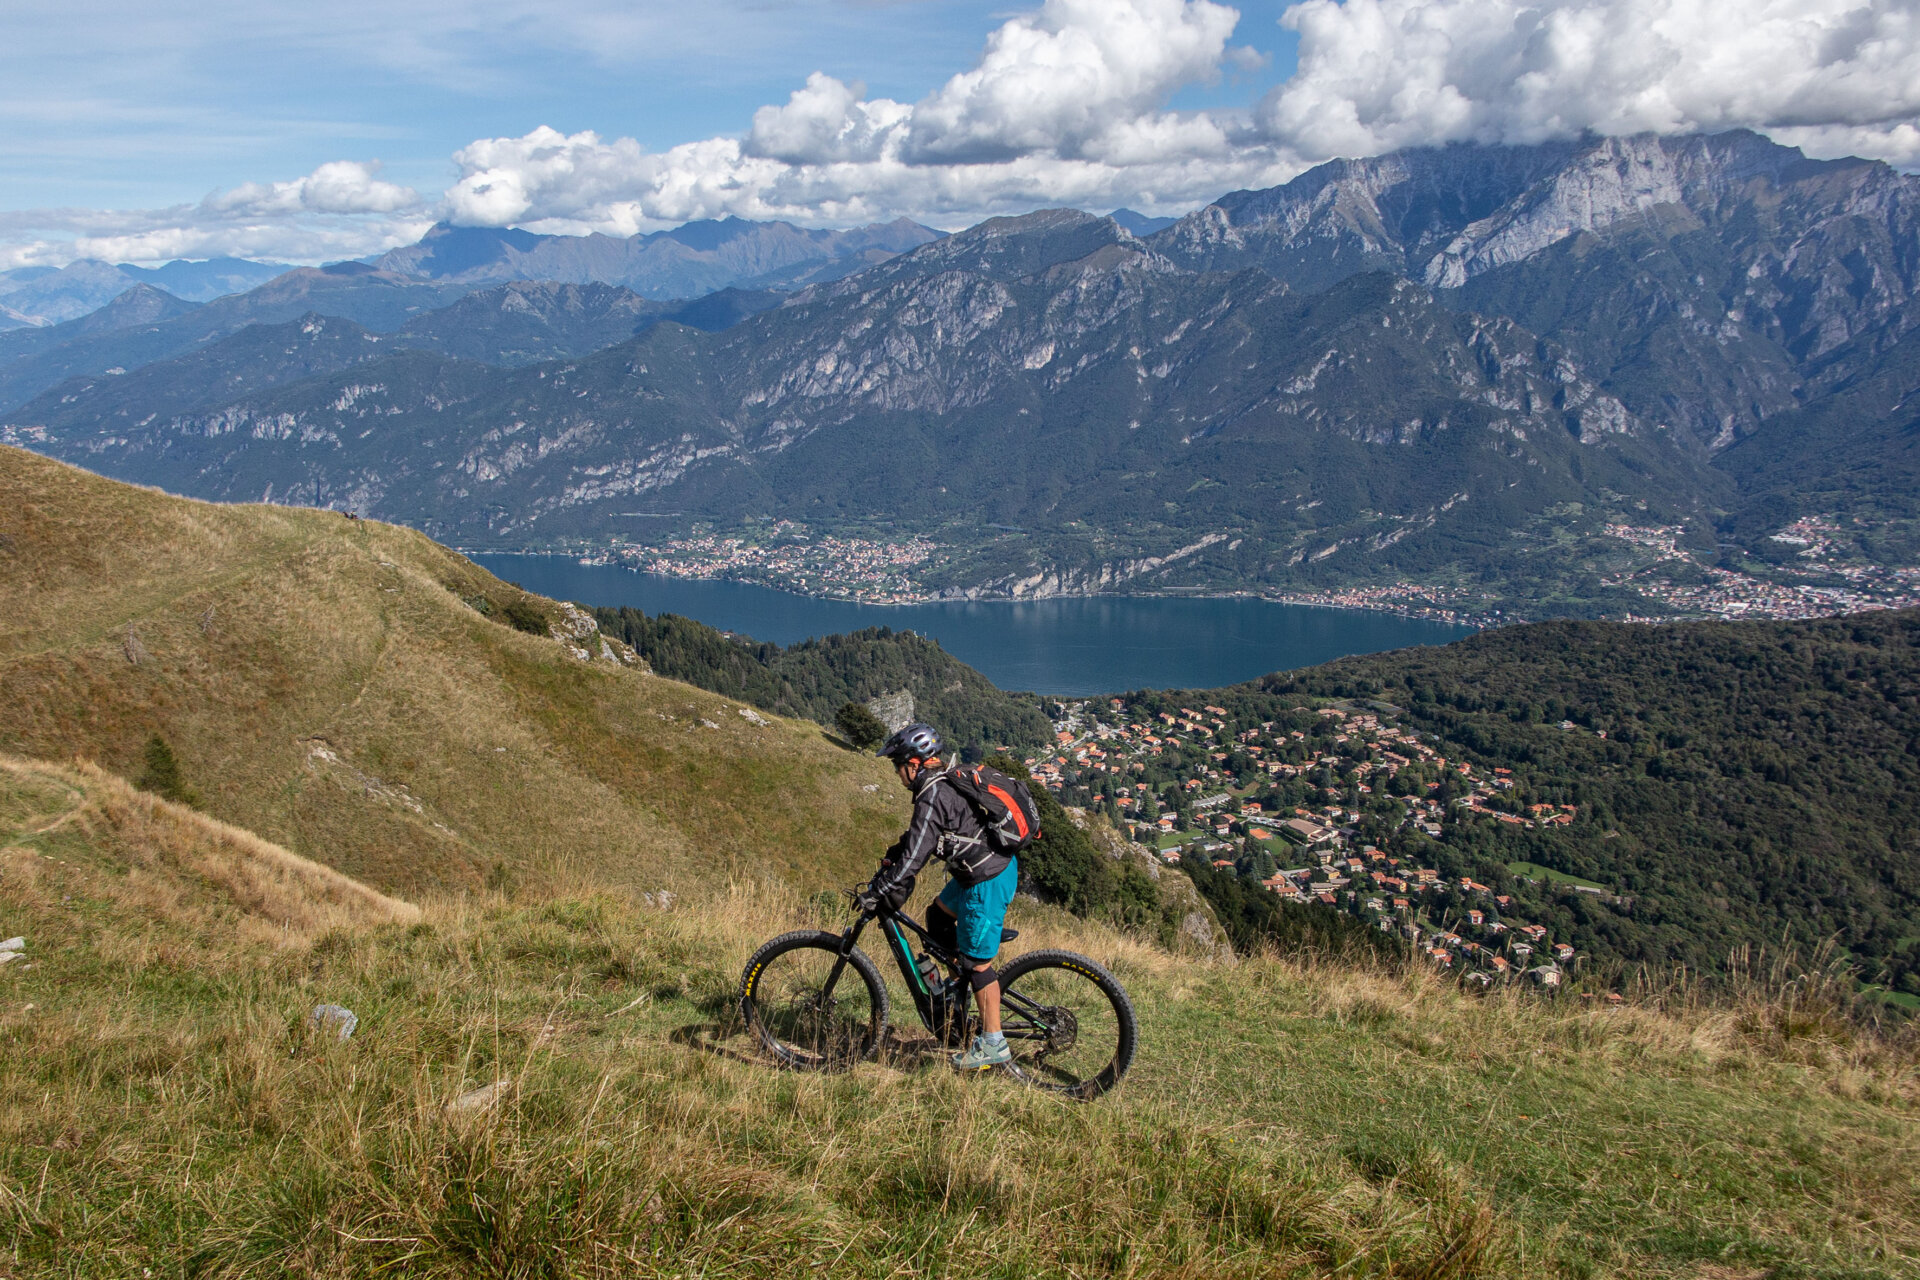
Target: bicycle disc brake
column 1063, row 1029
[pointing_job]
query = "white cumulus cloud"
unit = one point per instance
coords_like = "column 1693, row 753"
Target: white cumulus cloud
column 1072, row 103
column 340, row 210
column 1061, row 79
column 825, row 122
column 342, row 186
column 1379, row 74
column 1066, row 105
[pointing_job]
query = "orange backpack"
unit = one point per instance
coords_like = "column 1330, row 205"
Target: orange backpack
column 1003, row 805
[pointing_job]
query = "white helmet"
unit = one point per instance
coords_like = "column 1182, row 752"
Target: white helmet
column 911, row 742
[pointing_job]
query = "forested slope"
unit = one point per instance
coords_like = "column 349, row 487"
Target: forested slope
column 815, row 678
column 1740, row 782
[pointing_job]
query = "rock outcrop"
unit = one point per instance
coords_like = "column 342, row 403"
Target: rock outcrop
column 1198, row 931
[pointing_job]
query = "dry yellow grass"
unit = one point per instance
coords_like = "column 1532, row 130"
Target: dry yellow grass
column 76, row 829
column 167, row 1108
column 323, row 684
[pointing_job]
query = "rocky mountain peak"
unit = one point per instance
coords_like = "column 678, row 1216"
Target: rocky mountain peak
column 142, row 304
column 1009, row 249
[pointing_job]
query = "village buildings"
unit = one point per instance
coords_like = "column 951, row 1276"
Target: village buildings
column 1336, row 805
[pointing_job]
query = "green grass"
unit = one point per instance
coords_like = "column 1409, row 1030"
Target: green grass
column 1533, row 871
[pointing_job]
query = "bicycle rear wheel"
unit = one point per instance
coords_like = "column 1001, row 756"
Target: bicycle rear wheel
column 785, row 1001
column 1069, row 1023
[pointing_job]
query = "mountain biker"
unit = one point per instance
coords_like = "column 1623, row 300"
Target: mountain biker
column 969, row 913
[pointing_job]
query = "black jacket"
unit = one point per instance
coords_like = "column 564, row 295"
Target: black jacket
column 944, row 825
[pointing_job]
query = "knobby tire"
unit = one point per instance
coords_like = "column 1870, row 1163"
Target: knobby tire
column 779, row 1000
column 1057, row 979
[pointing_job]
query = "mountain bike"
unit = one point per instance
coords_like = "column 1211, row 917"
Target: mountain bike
column 817, row 1002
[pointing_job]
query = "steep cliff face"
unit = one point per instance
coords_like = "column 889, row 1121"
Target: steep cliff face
column 1385, row 213
column 1709, row 277
column 1365, row 422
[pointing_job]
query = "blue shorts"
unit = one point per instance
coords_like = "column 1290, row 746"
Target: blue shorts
column 981, row 910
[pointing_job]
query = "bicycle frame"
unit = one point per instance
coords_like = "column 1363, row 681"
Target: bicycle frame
column 1032, row 1022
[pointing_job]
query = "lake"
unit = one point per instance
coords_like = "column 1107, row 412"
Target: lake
column 1070, row 647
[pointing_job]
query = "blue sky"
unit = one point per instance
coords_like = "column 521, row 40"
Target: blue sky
column 307, row 131
column 113, row 110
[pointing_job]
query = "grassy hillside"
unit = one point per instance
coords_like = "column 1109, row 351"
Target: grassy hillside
column 330, row 685
column 164, row 1109
column 143, row 867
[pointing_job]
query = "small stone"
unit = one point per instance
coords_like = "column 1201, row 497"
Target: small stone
column 331, row 1017
column 7, row 957
column 14, row 944
column 482, row 1098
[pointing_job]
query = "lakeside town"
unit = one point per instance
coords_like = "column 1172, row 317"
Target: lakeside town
column 1340, row 806
column 1823, row 577
column 1405, row 600
column 1831, row 580
column 788, row 557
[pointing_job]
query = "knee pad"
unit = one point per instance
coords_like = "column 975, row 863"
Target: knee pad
column 981, row 979
column 944, row 929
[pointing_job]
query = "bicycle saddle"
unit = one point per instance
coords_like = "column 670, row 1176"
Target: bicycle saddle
column 1008, row 935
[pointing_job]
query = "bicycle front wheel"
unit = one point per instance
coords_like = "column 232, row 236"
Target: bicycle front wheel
column 803, row 1022
column 1069, row 1023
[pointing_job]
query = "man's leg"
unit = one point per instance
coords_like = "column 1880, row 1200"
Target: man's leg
column 987, row 997
column 943, row 928
column 983, row 911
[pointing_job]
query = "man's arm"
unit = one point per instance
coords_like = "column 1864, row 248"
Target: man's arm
column 911, row 851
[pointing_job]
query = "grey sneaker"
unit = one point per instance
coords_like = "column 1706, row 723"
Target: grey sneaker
column 983, row 1056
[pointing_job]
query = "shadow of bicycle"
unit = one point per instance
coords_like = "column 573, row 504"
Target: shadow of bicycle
column 729, row 1040
column 722, row 1040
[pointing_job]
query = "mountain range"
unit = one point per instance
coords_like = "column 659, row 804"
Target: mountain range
column 684, row 262
column 1461, row 362
column 38, row 296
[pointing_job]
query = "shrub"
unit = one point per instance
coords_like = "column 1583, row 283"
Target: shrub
column 1061, row 866
column 162, row 775
column 860, row 726
column 524, row 615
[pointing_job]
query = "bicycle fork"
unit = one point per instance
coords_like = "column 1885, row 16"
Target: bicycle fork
column 848, row 941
